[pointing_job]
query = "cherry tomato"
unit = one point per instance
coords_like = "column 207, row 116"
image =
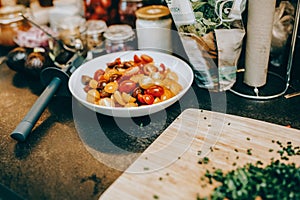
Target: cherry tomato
column 111, row 87
column 155, row 90
column 146, row 58
column 98, row 74
column 99, row 10
column 166, row 95
column 106, row 3
column 137, row 59
column 149, row 99
column 137, row 91
column 127, row 86
column 140, row 98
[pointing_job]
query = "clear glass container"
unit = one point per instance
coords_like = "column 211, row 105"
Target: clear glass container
column 127, row 10
column 10, row 23
column 153, row 27
column 95, row 38
column 119, row 37
column 106, row 10
column 73, row 32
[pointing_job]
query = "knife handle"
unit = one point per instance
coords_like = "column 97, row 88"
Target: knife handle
column 25, row 126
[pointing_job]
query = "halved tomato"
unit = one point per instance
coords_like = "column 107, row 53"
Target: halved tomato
column 155, row 90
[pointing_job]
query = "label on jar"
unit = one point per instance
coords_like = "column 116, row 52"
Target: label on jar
column 182, row 11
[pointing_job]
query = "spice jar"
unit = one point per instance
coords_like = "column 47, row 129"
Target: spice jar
column 10, row 23
column 127, row 10
column 153, row 27
column 119, row 37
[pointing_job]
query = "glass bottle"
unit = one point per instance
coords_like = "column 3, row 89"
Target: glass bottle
column 106, row 10
column 127, row 10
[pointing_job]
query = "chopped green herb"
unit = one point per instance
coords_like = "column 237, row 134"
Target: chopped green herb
column 204, row 160
column 155, row 197
column 277, row 180
column 249, row 151
column 248, row 138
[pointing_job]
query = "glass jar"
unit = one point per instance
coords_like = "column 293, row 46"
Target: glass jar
column 106, row 10
column 127, row 10
column 10, row 23
column 119, row 37
column 72, row 31
column 95, row 38
column 153, row 27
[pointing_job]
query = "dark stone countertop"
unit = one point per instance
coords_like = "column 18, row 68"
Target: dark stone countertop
column 61, row 158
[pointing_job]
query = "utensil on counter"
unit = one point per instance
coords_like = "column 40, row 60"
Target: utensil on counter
column 56, row 81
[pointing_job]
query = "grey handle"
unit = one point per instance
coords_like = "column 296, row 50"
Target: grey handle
column 25, row 126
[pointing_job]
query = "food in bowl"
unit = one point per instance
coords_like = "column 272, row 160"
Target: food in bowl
column 131, row 83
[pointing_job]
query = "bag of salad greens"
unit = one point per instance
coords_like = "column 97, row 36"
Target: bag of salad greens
column 212, row 35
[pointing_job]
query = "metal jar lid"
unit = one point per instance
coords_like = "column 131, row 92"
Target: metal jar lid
column 10, row 14
column 119, row 33
column 153, row 12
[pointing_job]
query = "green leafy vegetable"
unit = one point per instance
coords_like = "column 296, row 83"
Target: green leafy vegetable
column 207, row 19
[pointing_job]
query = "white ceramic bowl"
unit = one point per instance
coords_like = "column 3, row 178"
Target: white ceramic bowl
column 177, row 65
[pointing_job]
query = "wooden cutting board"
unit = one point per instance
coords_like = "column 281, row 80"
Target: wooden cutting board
column 170, row 168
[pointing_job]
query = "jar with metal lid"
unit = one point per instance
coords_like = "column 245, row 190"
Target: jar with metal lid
column 127, row 10
column 10, row 23
column 119, row 37
column 153, row 27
